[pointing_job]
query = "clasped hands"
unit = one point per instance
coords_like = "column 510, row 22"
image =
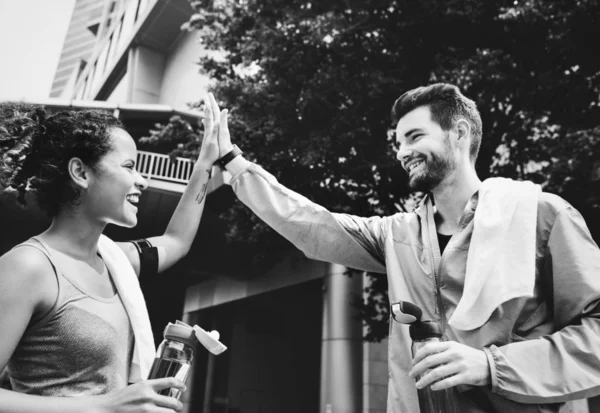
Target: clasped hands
column 217, row 140
column 449, row 364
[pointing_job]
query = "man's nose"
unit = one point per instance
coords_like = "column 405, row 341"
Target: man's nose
column 403, row 153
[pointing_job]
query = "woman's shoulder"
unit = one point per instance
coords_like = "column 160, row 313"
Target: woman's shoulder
column 27, row 268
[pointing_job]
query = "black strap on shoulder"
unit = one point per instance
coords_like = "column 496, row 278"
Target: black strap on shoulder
column 148, row 258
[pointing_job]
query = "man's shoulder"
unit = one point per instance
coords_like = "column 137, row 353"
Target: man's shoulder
column 403, row 222
column 397, row 217
column 549, row 207
column 403, row 216
column 551, row 204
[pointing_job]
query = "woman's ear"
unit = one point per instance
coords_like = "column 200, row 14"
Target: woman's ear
column 79, row 173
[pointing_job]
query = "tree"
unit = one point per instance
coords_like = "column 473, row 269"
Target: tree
column 311, row 84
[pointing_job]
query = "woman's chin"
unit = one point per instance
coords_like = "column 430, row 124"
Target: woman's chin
column 128, row 221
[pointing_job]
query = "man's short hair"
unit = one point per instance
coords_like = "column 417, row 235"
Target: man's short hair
column 447, row 105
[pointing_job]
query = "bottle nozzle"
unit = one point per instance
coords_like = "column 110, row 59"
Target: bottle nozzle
column 406, row 313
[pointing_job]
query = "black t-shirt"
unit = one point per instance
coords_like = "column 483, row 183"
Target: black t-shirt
column 443, row 241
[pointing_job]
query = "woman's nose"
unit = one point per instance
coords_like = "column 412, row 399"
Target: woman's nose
column 140, row 182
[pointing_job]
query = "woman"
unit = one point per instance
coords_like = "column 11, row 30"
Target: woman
column 72, row 323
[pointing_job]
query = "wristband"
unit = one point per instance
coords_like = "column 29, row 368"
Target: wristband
column 228, row 157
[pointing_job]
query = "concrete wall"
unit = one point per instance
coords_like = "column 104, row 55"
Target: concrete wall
column 182, row 83
column 342, row 345
column 69, row 88
column 375, row 374
column 173, row 79
column 293, row 269
column 120, row 94
column 146, row 67
column 375, row 377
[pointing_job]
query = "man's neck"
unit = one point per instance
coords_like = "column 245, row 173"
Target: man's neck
column 451, row 198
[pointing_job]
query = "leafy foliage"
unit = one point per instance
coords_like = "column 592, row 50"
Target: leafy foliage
column 310, row 86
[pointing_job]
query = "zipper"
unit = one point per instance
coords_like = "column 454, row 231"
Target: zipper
column 437, row 294
column 436, row 281
column 431, row 231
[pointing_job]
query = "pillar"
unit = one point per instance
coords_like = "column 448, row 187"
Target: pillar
column 341, row 350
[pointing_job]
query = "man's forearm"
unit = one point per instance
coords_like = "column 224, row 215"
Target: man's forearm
column 556, row 368
column 310, row 227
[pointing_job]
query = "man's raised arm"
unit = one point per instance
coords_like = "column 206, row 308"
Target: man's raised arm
column 318, row 233
column 339, row 238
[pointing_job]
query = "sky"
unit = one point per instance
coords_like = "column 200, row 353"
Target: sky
column 31, row 36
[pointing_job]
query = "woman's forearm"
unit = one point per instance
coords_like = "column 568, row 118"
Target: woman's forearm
column 186, row 218
column 13, row 402
column 183, row 226
column 177, row 239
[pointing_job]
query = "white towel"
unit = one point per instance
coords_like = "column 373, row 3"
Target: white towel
column 501, row 258
column 128, row 287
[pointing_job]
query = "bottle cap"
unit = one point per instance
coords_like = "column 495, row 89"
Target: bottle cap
column 423, row 330
column 406, row 313
column 181, row 332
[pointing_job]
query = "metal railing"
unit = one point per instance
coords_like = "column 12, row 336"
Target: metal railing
column 160, row 167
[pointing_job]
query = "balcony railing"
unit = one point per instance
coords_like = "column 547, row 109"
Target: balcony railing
column 156, row 166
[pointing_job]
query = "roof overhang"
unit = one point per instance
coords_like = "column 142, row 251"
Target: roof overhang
column 126, row 111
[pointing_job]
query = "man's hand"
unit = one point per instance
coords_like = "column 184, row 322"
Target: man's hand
column 450, row 364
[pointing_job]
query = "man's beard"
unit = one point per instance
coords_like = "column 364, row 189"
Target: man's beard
column 433, row 171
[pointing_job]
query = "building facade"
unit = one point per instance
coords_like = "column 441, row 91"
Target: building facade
column 79, row 42
column 294, row 342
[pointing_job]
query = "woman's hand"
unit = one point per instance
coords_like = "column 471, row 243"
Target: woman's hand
column 209, row 151
column 142, row 397
column 223, row 136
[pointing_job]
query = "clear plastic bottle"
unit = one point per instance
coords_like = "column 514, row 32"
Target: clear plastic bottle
column 431, row 401
column 174, row 355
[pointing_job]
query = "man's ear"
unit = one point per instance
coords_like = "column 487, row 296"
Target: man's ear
column 463, row 130
column 79, row 173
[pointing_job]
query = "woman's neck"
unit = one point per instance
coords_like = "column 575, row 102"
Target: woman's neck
column 74, row 235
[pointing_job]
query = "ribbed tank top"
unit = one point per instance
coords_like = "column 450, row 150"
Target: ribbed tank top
column 83, row 346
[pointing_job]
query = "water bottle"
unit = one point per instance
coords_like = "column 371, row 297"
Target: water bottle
column 431, row 401
column 174, row 355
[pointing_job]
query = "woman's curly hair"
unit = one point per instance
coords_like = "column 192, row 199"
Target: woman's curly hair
column 36, row 148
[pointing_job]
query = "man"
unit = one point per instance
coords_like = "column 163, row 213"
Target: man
column 534, row 350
